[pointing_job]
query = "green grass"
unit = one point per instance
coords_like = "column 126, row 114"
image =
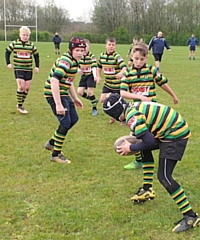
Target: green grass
column 89, row 199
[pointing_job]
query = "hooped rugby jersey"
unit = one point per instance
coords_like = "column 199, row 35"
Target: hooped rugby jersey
column 64, row 69
column 111, row 64
column 142, row 81
column 162, row 121
column 88, row 62
column 22, row 54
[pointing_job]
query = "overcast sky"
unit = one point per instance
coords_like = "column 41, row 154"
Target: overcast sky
column 76, row 8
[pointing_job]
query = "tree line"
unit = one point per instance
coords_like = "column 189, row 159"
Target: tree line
column 123, row 19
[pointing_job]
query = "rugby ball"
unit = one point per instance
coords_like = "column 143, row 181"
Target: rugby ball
column 129, row 138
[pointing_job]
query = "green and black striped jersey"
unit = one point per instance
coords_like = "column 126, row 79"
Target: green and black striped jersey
column 64, row 69
column 112, row 64
column 88, row 62
column 142, row 81
column 22, row 54
column 162, row 121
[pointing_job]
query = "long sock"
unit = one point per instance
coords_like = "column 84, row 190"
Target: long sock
column 24, row 96
column 52, row 140
column 19, row 96
column 181, row 200
column 59, row 137
column 85, row 95
column 148, row 171
column 93, row 101
column 138, row 157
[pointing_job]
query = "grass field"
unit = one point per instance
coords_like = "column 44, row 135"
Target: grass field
column 89, row 199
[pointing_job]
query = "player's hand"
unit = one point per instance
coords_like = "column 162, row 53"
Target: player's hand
column 36, row 70
column 9, row 66
column 124, row 149
column 175, row 99
column 80, row 71
column 60, row 110
column 98, row 80
column 119, row 75
column 145, row 99
column 78, row 103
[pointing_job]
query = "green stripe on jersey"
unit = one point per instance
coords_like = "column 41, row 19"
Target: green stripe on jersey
column 88, row 62
column 22, row 54
column 162, row 121
column 143, row 81
column 111, row 64
column 64, row 69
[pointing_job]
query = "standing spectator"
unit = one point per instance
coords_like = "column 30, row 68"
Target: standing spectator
column 135, row 41
column 88, row 72
column 59, row 91
column 57, row 40
column 157, row 44
column 23, row 51
column 113, row 67
column 192, row 43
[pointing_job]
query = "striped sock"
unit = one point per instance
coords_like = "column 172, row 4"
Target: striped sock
column 138, row 157
column 58, row 142
column 85, row 95
column 148, row 171
column 181, row 200
column 93, row 101
column 19, row 96
column 24, row 96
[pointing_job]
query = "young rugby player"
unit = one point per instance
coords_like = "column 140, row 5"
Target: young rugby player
column 57, row 90
column 159, row 127
column 23, row 51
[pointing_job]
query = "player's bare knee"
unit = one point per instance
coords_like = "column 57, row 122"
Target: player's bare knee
column 80, row 92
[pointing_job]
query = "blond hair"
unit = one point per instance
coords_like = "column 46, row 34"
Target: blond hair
column 87, row 41
column 25, row 29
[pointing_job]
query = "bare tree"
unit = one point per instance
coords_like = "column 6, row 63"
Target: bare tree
column 109, row 15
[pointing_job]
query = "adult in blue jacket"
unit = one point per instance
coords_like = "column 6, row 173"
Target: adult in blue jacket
column 57, row 40
column 192, row 43
column 158, row 43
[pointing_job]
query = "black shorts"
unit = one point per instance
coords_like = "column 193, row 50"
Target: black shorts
column 25, row 75
column 109, row 90
column 57, row 45
column 172, row 150
column 87, row 81
column 157, row 57
column 192, row 48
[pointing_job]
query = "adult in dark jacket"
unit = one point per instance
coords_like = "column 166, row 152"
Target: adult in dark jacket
column 57, row 40
column 192, row 43
column 158, row 43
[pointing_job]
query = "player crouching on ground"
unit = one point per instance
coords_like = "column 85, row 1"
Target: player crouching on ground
column 159, row 127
